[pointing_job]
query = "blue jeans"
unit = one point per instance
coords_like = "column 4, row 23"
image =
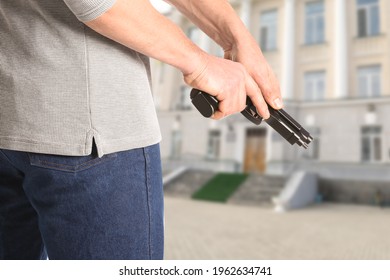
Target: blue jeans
column 81, row 207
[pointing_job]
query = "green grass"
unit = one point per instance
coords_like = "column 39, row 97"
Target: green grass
column 220, row 187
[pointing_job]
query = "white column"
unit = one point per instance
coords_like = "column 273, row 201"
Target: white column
column 245, row 13
column 288, row 49
column 340, row 52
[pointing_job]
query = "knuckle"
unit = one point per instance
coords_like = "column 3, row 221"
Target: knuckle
column 266, row 91
column 264, row 106
column 241, row 71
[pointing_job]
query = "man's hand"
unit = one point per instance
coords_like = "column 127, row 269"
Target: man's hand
column 230, row 83
column 219, row 20
column 248, row 53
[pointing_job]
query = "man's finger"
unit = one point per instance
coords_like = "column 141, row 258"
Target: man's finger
column 254, row 93
column 218, row 115
column 270, row 89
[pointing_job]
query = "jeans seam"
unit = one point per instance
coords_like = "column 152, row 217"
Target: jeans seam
column 147, row 181
column 9, row 160
column 71, row 168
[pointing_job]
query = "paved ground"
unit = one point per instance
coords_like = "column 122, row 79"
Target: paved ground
column 203, row 230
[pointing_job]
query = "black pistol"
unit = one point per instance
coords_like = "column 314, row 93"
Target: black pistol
column 279, row 120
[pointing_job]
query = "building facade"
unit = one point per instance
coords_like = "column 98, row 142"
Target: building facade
column 332, row 58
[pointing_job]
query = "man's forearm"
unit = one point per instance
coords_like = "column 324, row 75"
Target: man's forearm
column 137, row 25
column 216, row 18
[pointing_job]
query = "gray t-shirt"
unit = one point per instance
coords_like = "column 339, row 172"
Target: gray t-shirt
column 63, row 85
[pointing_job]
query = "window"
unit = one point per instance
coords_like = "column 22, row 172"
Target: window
column 371, row 146
column 368, row 17
column 313, row 151
column 314, row 23
column 213, row 144
column 184, row 101
column 268, row 30
column 176, row 144
column 314, row 86
column 176, row 140
column 369, row 81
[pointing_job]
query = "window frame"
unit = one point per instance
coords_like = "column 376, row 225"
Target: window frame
column 183, row 103
column 313, row 152
column 364, row 72
column 371, row 135
column 213, row 144
column 368, row 28
column 316, row 17
column 176, row 143
column 314, row 80
column 268, row 44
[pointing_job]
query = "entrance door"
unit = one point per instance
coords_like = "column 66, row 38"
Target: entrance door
column 255, row 151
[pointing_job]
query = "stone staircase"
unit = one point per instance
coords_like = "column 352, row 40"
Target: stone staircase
column 258, row 190
column 187, row 183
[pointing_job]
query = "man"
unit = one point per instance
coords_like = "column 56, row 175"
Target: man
column 80, row 174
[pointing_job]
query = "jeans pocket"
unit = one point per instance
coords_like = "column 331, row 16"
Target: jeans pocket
column 68, row 163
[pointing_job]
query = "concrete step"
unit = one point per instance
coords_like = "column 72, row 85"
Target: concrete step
column 258, row 190
column 187, row 183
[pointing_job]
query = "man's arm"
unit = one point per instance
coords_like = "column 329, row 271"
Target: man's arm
column 219, row 20
column 137, row 25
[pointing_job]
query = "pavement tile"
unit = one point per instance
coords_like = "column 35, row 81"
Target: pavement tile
column 205, row 230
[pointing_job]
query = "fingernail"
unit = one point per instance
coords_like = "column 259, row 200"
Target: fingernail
column 278, row 103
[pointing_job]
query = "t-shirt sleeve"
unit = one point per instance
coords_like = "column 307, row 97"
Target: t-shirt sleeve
column 86, row 10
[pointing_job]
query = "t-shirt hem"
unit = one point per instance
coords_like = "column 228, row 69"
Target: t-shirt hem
column 106, row 147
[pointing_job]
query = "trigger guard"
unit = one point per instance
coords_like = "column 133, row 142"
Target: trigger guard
column 250, row 112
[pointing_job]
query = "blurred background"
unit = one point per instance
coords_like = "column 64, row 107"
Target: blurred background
column 332, row 58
